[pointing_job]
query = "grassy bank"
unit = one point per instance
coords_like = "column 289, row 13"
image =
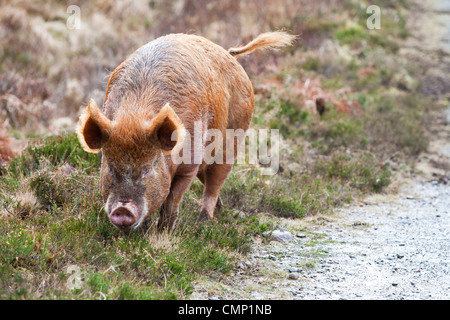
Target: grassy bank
column 58, row 243
column 349, row 106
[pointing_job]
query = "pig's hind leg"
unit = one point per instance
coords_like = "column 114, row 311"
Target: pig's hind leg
column 169, row 210
column 202, row 177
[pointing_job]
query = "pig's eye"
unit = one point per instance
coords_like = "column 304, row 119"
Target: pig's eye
column 146, row 171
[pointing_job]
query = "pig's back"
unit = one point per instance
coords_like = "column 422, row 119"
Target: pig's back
column 198, row 78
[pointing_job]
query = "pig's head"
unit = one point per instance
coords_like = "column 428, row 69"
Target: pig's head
column 135, row 177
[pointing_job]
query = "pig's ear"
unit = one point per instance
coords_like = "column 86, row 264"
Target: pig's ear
column 167, row 130
column 93, row 129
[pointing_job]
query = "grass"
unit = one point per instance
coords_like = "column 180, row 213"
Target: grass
column 328, row 183
column 52, row 152
column 59, row 243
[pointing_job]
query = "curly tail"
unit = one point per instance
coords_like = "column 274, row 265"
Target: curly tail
column 272, row 40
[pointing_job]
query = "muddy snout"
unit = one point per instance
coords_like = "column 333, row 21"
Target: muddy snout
column 124, row 215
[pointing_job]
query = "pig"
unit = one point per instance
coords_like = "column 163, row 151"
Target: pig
column 152, row 100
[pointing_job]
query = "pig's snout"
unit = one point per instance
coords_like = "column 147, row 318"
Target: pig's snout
column 124, row 216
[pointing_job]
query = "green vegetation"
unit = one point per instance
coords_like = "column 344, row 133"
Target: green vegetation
column 69, row 228
column 52, row 152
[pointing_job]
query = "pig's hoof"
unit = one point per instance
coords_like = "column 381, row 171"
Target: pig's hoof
column 204, row 217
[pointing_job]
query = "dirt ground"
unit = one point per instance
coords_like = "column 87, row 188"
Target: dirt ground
column 386, row 246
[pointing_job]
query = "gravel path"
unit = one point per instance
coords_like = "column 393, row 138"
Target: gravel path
column 398, row 249
column 391, row 247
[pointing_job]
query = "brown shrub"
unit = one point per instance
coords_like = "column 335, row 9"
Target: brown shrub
column 6, row 153
column 22, row 100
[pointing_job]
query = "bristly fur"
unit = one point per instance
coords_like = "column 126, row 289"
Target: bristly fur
column 272, row 40
column 203, row 83
column 130, row 133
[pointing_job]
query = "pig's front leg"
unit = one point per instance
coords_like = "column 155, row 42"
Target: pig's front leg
column 214, row 177
column 169, row 210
